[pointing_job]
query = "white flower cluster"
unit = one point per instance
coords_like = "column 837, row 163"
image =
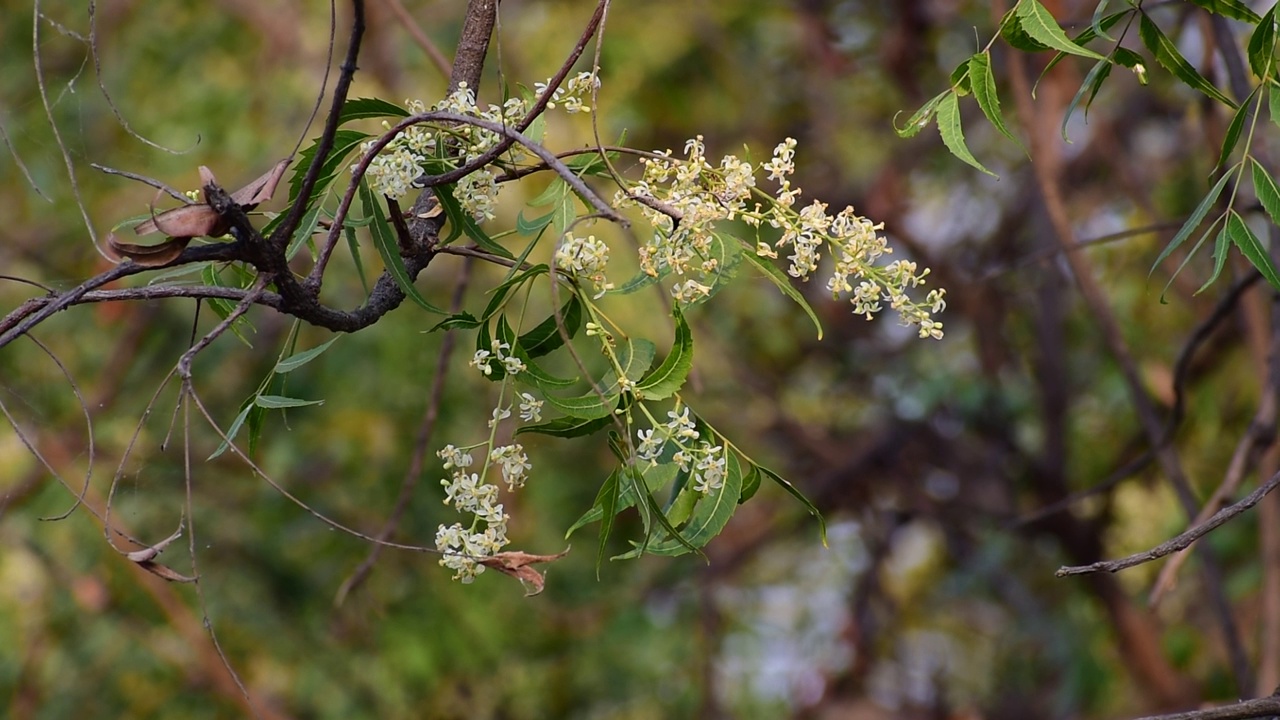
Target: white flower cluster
column 704, row 194
column 462, row 548
column 707, row 464
column 402, row 161
column 511, row 364
column 585, row 258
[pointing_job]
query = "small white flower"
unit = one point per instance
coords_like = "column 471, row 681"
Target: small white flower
column 530, row 408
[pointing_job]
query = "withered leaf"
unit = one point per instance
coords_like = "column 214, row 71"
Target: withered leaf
column 165, row 572
column 150, row 553
column 516, row 564
column 146, row 255
column 196, row 220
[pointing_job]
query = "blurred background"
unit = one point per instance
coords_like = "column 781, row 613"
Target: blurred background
column 942, row 467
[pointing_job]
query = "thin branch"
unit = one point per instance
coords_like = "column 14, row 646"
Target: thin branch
column 144, row 180
column 324, row 145
column 411, row 26
column 1175, row 544
column 1266, row 707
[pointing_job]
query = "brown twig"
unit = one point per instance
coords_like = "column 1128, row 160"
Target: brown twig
column 411, row 26
column 1180, row 542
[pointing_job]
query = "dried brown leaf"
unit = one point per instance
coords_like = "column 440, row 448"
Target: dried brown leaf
column 150, row 553
column 146, row 255
column 516, row 564
column 165, row 572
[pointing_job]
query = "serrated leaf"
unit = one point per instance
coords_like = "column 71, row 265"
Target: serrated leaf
column 385, row 241
column 306, row 228
column 462, row 221
column 343, row 143
column 794, row 492
column 919, row 120
column 297, row 360
column 276, row 402
column 234, row 427
column 553, row 194
column 1040, row 24
column 781, row 281
column 959, row 79
column 460, row 321
column 1095, row 23
column 1220, row 247
column 1013, row 33
column 223, row 307
column 670, row 376
column 353, row 246
column 1252, row 247
column 1234, row 129
column 709, row 515
column 1273, row 102
column 363, row 108
column 1166, row 53
column 545, row 337
column 534, row 226
column 983, row 82
column 1092, row 83
column 655, row 478
column 750, row 484
column 1233, row 9
column 1262, row 46
column 566, row 427
column 498, row 296
column 1264, row 186
column 953, row 135
column 1193, row 221
column 586, row 407
column 607, row 499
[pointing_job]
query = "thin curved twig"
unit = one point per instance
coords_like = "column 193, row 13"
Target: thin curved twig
column 1184, row 540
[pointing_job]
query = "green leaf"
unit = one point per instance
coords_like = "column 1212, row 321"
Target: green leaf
column 635, row 357
column 498, row 295
column 983, row 82
column 952, row 134
column 1193, row 221
column 545, row 337
column 655, row 478
column 1166, row 53
column 1273, row 102
column 461, row 321
column 795, row 493
column 1016, row 35
column 919, row 120
column 607, row 499
column 293, row 362
column 710, row 514
column 1234, row 129
column 783, row 283
column 585, row 407
column 553, row 194
column 306, row 228
column 1092, row 83
column 566, row 427
column 223, row 307
column 670, row 376
column 1233, row 9
column 462, row 221
column 384, row 239
column 959, row 79
column 1220, row 247
column 247, row 406
column 534, row 226
column 353, row 247
column 344, row 141
column 276, row 402
column 1095, row 23
column 362, row 108
column 1252, row 247
column 1262, row 46
column 1264, row 186
column 750, row 484
column 1040, row 24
